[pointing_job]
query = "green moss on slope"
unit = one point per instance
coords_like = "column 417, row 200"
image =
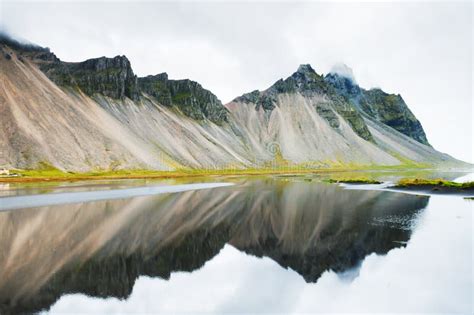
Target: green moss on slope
column 188, row 96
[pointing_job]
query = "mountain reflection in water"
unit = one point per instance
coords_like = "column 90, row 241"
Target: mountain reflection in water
column 101, row 248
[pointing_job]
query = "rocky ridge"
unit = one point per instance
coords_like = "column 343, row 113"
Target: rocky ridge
column 389, row 109
column 189, row 96
column 307, row 82
column 97, row 114
column 114, row 78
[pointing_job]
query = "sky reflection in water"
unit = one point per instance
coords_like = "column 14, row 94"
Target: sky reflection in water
column 263, row 245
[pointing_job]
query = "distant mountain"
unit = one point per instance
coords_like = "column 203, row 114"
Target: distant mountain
column 97, row 114
column 331, row 120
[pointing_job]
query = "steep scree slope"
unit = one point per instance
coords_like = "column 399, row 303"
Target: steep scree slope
column 97, row 114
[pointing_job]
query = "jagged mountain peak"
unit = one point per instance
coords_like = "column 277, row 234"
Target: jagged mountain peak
column 342, row 78
column 305, row 73
column 305, row 81
column 305, row 69
column 344, row 85
column 309, row 84
column 348, row 99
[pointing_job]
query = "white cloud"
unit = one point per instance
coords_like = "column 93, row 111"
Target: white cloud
column 422, row 51
column 343, row 70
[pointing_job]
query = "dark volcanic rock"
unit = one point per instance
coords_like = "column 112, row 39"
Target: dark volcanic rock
column 305, row 80
column 156, row 86
column 112, row 77
column 327, row 113
column 260, row 99
column 189, row 96
column 343, row 85
column 392, row 110
column 389, row 109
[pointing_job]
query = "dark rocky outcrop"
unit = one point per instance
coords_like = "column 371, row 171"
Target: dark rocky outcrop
column 344, row 86
column 156, row 86
column 112, row 77
column 392, row 110
column 389, row 109
column 325, row 111
column 305, row 81
column 188, row 96
column 260, row 99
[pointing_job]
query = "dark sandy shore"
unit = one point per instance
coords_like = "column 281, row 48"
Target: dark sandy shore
column 437, row 190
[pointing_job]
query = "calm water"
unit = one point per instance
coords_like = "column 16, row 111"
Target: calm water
column 261, row 245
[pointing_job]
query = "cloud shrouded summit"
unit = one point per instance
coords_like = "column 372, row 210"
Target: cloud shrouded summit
column 344, row 71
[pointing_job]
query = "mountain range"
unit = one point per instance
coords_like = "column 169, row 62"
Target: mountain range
column 98, row 115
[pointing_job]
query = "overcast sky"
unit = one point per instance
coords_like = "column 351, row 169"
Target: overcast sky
column 422, row 51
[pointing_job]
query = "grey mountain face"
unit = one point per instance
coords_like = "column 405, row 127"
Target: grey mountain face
column 112, row 77
column 348, row 99
column 307, row 82
column 97, row 114
column 189, row 96
column 389, row 109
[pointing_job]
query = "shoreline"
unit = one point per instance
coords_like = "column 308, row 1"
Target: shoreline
column 58, row 176
column 40, row 200
column 416, row 186
column 434, row 190
column 162, row 175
